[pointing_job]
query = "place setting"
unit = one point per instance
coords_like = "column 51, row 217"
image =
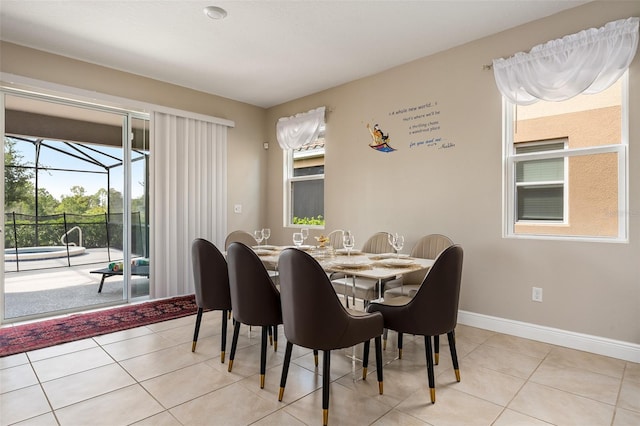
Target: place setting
column 395, row 262
column 353, row 263
column 347, row 261
column 261, row 235
column 385, row 256
column 299, row 238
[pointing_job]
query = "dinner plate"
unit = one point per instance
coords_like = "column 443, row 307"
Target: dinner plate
column 265, row 247
column 396, row 262
column 302, row 247
column 353, row 264
column 382, row 256
column 263, row 252
column 344, row 252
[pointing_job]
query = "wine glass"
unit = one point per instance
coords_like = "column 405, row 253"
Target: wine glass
column 298, row 239
column 266, row 233
column 348, row 241
column 397, row 242
column 258, row 236
column 392, row 239
column 305, row 233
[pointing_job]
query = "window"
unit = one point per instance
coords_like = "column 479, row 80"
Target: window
column 574, row 88
column 540, row 184
column 565, row 167
column 305, row 183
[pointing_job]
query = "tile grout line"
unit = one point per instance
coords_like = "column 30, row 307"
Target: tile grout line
column 615, row 408
column 477, row 346
column 40, row 384
column 526, row 381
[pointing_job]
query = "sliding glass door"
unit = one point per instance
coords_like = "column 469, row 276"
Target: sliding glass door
column 75, row 205
column 139, row 206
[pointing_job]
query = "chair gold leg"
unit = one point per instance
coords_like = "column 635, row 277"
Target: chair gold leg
column 364, row 373
column 384, row 344
column 262, row 381
column 315, row 358
column 325, row 417
column 436, row 358
column 270, row 340
column 230, row 365
column 433, row 395
column 281, row 394
column 193, row 346
column 380, row 387
column 399, row 353
column 457, row 374
column 275, row 346
column 222, row 357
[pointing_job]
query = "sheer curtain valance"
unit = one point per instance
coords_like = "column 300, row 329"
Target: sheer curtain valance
column 586, row 62
column 300, row 129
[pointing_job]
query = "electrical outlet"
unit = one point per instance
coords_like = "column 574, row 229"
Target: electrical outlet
column 536, row 294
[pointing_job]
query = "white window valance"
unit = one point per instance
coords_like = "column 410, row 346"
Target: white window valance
column 300, row 129
column 586, row 62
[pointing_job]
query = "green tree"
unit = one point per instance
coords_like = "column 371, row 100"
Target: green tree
column 115, row 201
column 102, row 199
column 78, row 202
column 47, row 203
column 18, row 185
column 138, row 205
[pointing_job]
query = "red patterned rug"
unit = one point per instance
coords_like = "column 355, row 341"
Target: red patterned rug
column 37, row 335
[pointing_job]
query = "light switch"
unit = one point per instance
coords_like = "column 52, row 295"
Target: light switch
column 237, row 208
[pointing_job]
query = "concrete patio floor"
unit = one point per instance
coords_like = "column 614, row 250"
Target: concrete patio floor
column 47, row 287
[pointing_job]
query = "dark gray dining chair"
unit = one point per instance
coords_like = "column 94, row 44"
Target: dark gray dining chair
column 427, row 247
column 247, row 239
column 432, row 311
column 314, row 318
column 255, row 300
column 211, row 282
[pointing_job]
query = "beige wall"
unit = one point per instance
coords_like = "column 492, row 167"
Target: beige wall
column 247, row 157
column 591, row 288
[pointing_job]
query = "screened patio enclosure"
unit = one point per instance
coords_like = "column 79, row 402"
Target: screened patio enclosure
column 76, row 202
column 89, row 220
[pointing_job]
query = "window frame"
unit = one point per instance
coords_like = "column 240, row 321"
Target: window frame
column 290, row 180
column 517, row 158
column 509, row 160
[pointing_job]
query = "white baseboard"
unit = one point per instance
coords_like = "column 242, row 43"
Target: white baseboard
column 584, row 342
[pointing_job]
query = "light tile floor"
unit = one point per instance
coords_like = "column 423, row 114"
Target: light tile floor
column 149, row 376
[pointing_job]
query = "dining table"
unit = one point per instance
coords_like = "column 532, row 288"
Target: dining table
column 353, row 263
column 379, row 266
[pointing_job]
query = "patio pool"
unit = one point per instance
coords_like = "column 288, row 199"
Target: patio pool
column 40, row 253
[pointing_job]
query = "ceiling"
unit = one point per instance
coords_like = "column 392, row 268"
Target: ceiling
column 264, row 52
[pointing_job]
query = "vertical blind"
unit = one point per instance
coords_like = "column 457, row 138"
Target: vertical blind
column 188, row 189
